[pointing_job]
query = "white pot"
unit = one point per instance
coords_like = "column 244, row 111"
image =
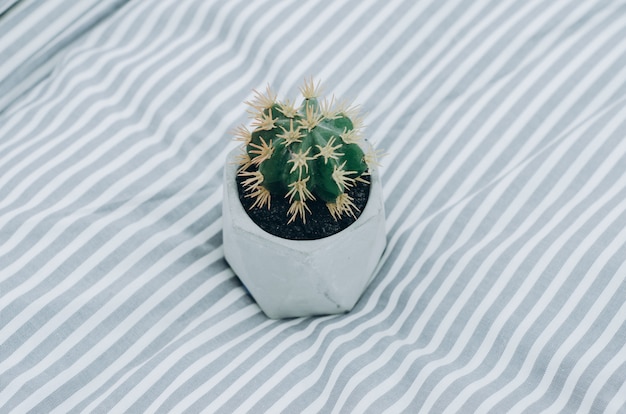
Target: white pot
column 290, row 278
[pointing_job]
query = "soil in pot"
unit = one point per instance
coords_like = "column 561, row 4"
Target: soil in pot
column 320, row 223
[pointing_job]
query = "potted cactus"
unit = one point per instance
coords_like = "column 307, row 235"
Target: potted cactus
column 304, row 223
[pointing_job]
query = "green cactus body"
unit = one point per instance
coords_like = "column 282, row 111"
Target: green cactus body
column 308, row 153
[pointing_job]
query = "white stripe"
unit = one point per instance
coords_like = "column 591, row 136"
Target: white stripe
column 343, row 55
column 399, row 261
column 148, row 114
column 380, row 49
column 279, row 408
column 220, row 399
column 192, row 332
column 330, row 39
column 301, row 40
column 402, row 99
column 71, row 29
column 541, row 46
column 6, row 5
column 110, row 193
column 132, row 107
column 182, row 133
column 260, row 392
column 538, row 268
column 434, row 159
column 172, row 359
column 609, row 88
column 28, row 23
column 48, row 139
column 450, row 213
column 123, row 364
column 49, row 31
column 583, row 326
column 107, row 249
column 275, row 407
column 240, row 360
column 460, row 265
column 87, row 43
column 320, row 18
column 22, row 353
column 448, row 43
column 23, row 87
column 518, row 203
column 31, row 110
column 532, row 316
column 410, row 246
column 256, row 367
column 414, row 216
column 618, row 402
column 392, row 97
column 33, row 250
column 170, row 176
column 147, row 337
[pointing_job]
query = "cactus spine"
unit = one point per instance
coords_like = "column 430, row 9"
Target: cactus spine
column 312, row 152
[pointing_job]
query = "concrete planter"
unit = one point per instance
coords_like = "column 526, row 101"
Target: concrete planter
column 290, row 278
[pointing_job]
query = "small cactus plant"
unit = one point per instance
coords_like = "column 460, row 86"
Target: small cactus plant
column 306, row 153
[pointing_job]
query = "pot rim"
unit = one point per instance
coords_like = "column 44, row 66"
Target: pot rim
column 230, row 184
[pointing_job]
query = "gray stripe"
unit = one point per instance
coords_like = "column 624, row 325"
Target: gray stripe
column 115, row 298
column 56, row 277
column 427, row 232
column 30, row 73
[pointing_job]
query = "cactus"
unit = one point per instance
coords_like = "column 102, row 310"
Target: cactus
column 313, row 152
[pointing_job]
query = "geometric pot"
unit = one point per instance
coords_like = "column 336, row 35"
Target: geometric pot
column 291, row 278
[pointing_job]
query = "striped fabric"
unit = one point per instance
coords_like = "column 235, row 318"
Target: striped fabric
column 32, row 35
column 503, row 287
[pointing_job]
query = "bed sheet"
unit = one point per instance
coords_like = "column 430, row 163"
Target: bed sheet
column 503, row 285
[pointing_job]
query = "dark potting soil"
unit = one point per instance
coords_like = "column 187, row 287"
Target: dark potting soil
column 319, row 223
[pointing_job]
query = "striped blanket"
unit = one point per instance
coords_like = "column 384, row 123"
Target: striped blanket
column 503, row 286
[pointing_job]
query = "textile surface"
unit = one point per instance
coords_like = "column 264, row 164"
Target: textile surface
column 503, row 285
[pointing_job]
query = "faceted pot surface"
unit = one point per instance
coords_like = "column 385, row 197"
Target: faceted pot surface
column 291, row 278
